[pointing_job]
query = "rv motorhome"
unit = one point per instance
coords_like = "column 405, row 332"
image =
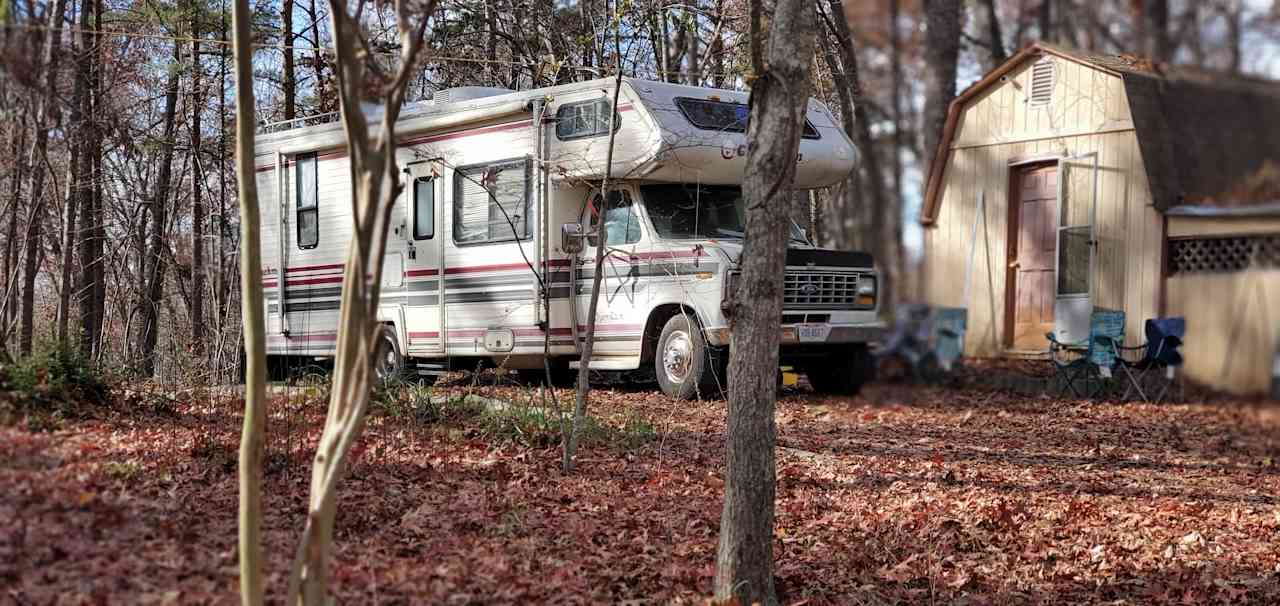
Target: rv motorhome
column 492, row 251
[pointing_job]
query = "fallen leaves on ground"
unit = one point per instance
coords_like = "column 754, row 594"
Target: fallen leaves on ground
column 903, row 495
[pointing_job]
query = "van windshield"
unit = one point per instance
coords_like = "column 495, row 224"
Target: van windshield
column 683, row 211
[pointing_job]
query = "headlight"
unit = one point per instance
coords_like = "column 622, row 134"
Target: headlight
column 866, row 292
column 867, row 285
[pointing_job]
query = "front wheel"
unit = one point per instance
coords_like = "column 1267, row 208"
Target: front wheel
column 388, row 364
column 686, row 365
column 842, row 373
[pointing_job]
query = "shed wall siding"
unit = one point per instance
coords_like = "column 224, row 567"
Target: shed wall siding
column 1233, row 324
column 1084, row 100
column 1128, row 262
column 1232, row 332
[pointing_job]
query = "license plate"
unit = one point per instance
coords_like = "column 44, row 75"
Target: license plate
column 812, row 332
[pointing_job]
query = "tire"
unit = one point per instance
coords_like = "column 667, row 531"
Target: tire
column 844, row 372
column 388, row 362
column 686, row 365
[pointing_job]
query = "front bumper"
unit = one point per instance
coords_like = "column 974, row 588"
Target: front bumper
column 812, row 334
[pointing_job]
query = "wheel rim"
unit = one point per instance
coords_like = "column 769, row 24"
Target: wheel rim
column 677, row 356
column 386, row 360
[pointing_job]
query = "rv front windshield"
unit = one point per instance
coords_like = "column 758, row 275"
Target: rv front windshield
column 684, row 211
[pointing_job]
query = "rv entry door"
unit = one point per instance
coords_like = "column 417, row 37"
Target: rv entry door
column 423, row 243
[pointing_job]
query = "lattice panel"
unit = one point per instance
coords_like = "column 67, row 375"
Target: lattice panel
column 1220, row 255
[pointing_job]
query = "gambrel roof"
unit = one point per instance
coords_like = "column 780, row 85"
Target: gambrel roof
column 1203, row 135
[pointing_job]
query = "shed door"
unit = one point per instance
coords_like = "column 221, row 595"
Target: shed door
column 1032, row 251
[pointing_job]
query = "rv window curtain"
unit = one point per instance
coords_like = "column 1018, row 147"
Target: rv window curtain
column 308, row 202
column 489, row 200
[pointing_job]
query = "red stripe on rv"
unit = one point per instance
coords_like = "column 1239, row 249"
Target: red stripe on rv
column 342, row 152
column 625, row 107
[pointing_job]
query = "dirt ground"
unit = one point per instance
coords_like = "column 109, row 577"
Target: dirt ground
column 902, row 495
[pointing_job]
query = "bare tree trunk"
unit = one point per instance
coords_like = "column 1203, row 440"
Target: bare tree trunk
column 942, row 51
column 860, row 131
column 692, row 53
column 1045, row 20
column 95, row 152
column 1159, row 44
column 251, row 313
column 589, row 338
column 197, row 192
column 73, row 197
column 744, row 562
column 148, row 318
column 39, row 151
column 77, row 184
column 717, row 45
column 9, row 306
column 994, row 36
column 91, row 270
column 375, row 181
column 1233, row 13
column 290, row 81
column 491, row 40
column 895, row 69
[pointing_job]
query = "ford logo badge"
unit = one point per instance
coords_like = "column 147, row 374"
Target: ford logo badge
column 809, row 289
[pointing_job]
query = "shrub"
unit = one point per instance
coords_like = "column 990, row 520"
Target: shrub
column 49, row 387
column 409, row 401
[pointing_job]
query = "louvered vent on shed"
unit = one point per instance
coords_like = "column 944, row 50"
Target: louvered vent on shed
column 1042, row 74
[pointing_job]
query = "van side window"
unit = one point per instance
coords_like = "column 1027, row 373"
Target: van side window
column 491, row 202
column 584, row 119
column 308, row 200
column 424, row 208
column 621, row 225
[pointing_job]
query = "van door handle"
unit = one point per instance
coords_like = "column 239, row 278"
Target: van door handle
column 1015, row 264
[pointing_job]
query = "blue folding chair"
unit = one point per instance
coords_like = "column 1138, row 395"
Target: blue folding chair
column 929, row 340
column 1161, row 358
column 949, row 325
column 1093, row 359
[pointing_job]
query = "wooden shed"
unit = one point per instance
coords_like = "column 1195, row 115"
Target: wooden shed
column 1066, row 180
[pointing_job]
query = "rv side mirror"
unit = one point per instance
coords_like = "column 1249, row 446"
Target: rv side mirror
column 571, row 238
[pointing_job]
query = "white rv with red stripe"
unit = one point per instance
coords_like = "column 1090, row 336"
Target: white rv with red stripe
column 478, row 267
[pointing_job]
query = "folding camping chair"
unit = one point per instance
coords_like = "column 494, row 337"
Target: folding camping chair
column 928, row 340
column 908, row 339
column 949, row 324
column 1161, row 358
column 1093, row 358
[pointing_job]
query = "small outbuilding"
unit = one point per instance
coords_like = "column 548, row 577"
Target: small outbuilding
column 1066, row 181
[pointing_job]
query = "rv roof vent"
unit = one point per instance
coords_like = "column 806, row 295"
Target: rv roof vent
column 467, row 93
column 1042, row 82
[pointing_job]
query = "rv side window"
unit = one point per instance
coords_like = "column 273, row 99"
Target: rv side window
column 621, row 225
column 725, row 116
column 491, row 202
column 308, row 201
column 584, row 119
column 424, row 208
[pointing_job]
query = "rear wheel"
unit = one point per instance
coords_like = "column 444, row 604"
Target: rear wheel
column 388, row 364
column 843, row 372
column 687, row 366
